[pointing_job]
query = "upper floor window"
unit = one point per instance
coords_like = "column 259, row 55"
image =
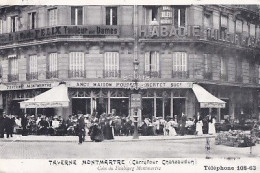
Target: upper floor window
column 252, row 30
column 239, row 72
column 252, row 74
column 180, row 64
column 111, row 63
column 223, row 26
column 33, row 68
column 111, row 15
column 52, row 17
column 76, row 64
column 239, row 26
column 52, row 66
column 1, row 26
column 32, row 20
column 207, row 66
column 151, row 15
column 152, row 64
column 76, row 15
column 208, row 20
column 13, row 24
column 223, row 68
column 179, row 16
column 13, row 68
column 245, row 28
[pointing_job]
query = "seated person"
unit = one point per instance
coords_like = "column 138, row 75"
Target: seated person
column 43, row 126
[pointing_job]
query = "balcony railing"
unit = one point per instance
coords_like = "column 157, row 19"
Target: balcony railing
column 207, row 75
column 224, row 77
column 111, row 73
column 13, row 77
column 77, row 74
column 52, row 74
column 180, row 74
column 32, row 76
column 153, row 74
column 238, row 79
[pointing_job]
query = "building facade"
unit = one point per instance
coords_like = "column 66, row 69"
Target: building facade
column 92, row 49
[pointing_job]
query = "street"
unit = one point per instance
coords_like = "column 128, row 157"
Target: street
column 191, row 148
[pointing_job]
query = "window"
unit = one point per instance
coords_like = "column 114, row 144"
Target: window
column 223, row 26
column 1, row 26
column 252, row 67
column 111, row 15
column 76, row 66
column 252, row 29
column 111, row 64
column 151, row 15
column 32, row 20
column 12, row 24
column 207, row 66
column 13, row 68
column 239, row 77
column 179, row 16
column 245, row 28
column 239, row 26
column 208, row 20
column 33, row 66
column 76, row 15
column 52, row 17
column 52, row 66
column 152, row 64
column 223, row 68
column 179, row 60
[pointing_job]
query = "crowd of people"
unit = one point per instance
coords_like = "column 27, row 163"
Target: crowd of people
column 104, row 126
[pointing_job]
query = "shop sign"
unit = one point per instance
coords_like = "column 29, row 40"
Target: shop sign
column 166, row 15
column 50, row 32
column 22, row 86
column 127, row 85
column 44, row 104
column 212, row 105
column 136, row 100
column 197, row 33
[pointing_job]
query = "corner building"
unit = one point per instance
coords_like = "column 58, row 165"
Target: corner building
column 92, row 49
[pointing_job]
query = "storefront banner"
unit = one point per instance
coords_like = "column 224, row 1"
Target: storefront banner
column 44, row 104
column 212, row 105
column 22, row 86
column 129, row 85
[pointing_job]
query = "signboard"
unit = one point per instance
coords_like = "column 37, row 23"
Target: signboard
column 128, row 85
column 136, row 101
column 50, row 32
column 22, row 86
column 166, row 15
column 212, row 105
column 44, row 104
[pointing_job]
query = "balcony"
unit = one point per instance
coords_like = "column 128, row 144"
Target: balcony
column 207, row 75
column 52, row 74
column 13, row 77
column 224, row 77
column 32, row 76
column 239, row 79
column 180, row 74
column 152, row 74
column 77, row 74
column 111, row 73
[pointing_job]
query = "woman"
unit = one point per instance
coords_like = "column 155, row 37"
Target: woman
column 95, row 132
column 171, row 128
column 212, row 129
column 199, row 124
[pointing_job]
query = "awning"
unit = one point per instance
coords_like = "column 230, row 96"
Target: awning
column 206, row 99
column 55, row 97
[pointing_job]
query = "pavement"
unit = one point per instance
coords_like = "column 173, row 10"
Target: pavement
column 39, row 138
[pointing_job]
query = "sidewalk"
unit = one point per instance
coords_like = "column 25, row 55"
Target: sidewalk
column 34, row 138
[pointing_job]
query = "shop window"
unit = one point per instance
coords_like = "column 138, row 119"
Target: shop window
column 152, row 64
column 207, row 66
column 111, row 64
column 179, row 60
column 52, row 17
column 151, row 15
column 239, row 26
column 13, row 68
column 77, row 63
column 52, row 66
column 239, row 77
column 32, row 20
column 179, row 16
column 76, row 15
column 111, row 16
column 12, row 24
column 223, row 69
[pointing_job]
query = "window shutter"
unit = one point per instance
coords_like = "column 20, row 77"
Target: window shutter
column 16, row 24
column 147, row 61
column 9, row 24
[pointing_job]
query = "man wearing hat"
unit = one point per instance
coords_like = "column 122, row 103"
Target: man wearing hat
column 24, row 123
column 81, row 127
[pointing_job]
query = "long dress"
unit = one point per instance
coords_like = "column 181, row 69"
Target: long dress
column 172, row 131
column 212, row 129
column 199, row 128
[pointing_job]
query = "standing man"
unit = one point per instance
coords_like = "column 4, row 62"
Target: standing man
column 24, row 123
column 183, row 124
column 81, row 128
column 2, row 126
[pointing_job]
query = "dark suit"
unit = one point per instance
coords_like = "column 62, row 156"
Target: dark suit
column 183, row 124
column 81, row 128
column 24, row 123
column 1, row 127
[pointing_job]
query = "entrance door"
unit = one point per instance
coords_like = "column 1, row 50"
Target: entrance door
column 178, row 106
